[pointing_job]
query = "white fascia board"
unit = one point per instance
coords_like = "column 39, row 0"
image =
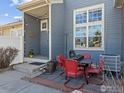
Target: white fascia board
column 56, row 1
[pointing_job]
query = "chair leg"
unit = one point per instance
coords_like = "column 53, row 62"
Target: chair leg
column 61, row 73
column 65, row 77
column 103, row 77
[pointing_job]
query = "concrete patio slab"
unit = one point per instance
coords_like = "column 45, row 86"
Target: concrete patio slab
column 38, row 89
column 16, row 86
column 10, row 82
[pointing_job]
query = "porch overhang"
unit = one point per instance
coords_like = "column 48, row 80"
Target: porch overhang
column 11, row 24
column 36, row 8
column 119, row 3
column 33, row 4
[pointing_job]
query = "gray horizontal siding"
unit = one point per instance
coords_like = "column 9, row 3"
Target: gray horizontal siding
column 57, row 26
column 113, row 25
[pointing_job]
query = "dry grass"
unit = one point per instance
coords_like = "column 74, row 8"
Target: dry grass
column 122, row 70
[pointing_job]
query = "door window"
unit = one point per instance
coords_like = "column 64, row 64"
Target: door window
column 44, row 25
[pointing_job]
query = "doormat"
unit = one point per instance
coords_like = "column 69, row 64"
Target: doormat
column 37, row 63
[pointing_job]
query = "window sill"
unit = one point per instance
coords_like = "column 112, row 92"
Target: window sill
column 91, row 49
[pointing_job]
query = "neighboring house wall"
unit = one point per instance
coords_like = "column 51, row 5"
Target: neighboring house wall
column 31, row 34
column 6, row 31
column 57, row 29
column 112, row 30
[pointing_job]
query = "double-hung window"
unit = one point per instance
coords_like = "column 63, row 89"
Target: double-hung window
column 89, row 28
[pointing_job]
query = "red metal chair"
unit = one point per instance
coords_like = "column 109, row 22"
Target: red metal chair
column 61, row 60
column 72, row 71
column 96, row 70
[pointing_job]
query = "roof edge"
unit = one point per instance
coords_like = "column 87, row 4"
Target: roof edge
column 11, row 24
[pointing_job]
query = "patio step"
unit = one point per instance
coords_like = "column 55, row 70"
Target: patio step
column 30, row 70
column 36, row 59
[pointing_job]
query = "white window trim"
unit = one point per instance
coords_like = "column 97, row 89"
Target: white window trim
column 44, row 21
column 95, row 23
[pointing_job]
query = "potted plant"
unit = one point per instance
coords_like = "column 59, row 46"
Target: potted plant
column 31, row 53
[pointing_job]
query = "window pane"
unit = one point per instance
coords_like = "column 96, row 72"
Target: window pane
column 95, row 15
column 44, row 25
column 80, row 42
column 80, row 32
column 95, row 36
column 80, row 37
column 81, row 18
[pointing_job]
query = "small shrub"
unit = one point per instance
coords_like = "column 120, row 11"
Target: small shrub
column 7, row 55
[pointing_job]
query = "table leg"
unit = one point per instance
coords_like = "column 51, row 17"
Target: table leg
column 85, row 74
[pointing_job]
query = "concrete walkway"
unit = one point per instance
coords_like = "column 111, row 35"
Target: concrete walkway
column 10, row 82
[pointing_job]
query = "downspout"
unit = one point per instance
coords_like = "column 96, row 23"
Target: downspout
column 122, row 29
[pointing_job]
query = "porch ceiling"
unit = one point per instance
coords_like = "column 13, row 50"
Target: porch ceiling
column 32, row 5
column 36, row 8
column 39, row 12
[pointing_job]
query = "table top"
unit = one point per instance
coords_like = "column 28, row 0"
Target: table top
column 86, row 61
column 109, row 55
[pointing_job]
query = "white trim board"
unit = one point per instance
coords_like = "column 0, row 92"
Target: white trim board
column 56, row 1
column 50, row 38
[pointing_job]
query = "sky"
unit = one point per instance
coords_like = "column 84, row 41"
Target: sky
column 9, row 12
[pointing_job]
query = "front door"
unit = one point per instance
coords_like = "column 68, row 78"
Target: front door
column 44, row 38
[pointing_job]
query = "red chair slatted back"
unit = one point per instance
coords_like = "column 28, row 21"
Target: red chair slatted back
column 87, row 56
column 71, row 67
column 61, row 59
column 101, row 64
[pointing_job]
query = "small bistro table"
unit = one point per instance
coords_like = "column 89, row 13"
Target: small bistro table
column 85, row 63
